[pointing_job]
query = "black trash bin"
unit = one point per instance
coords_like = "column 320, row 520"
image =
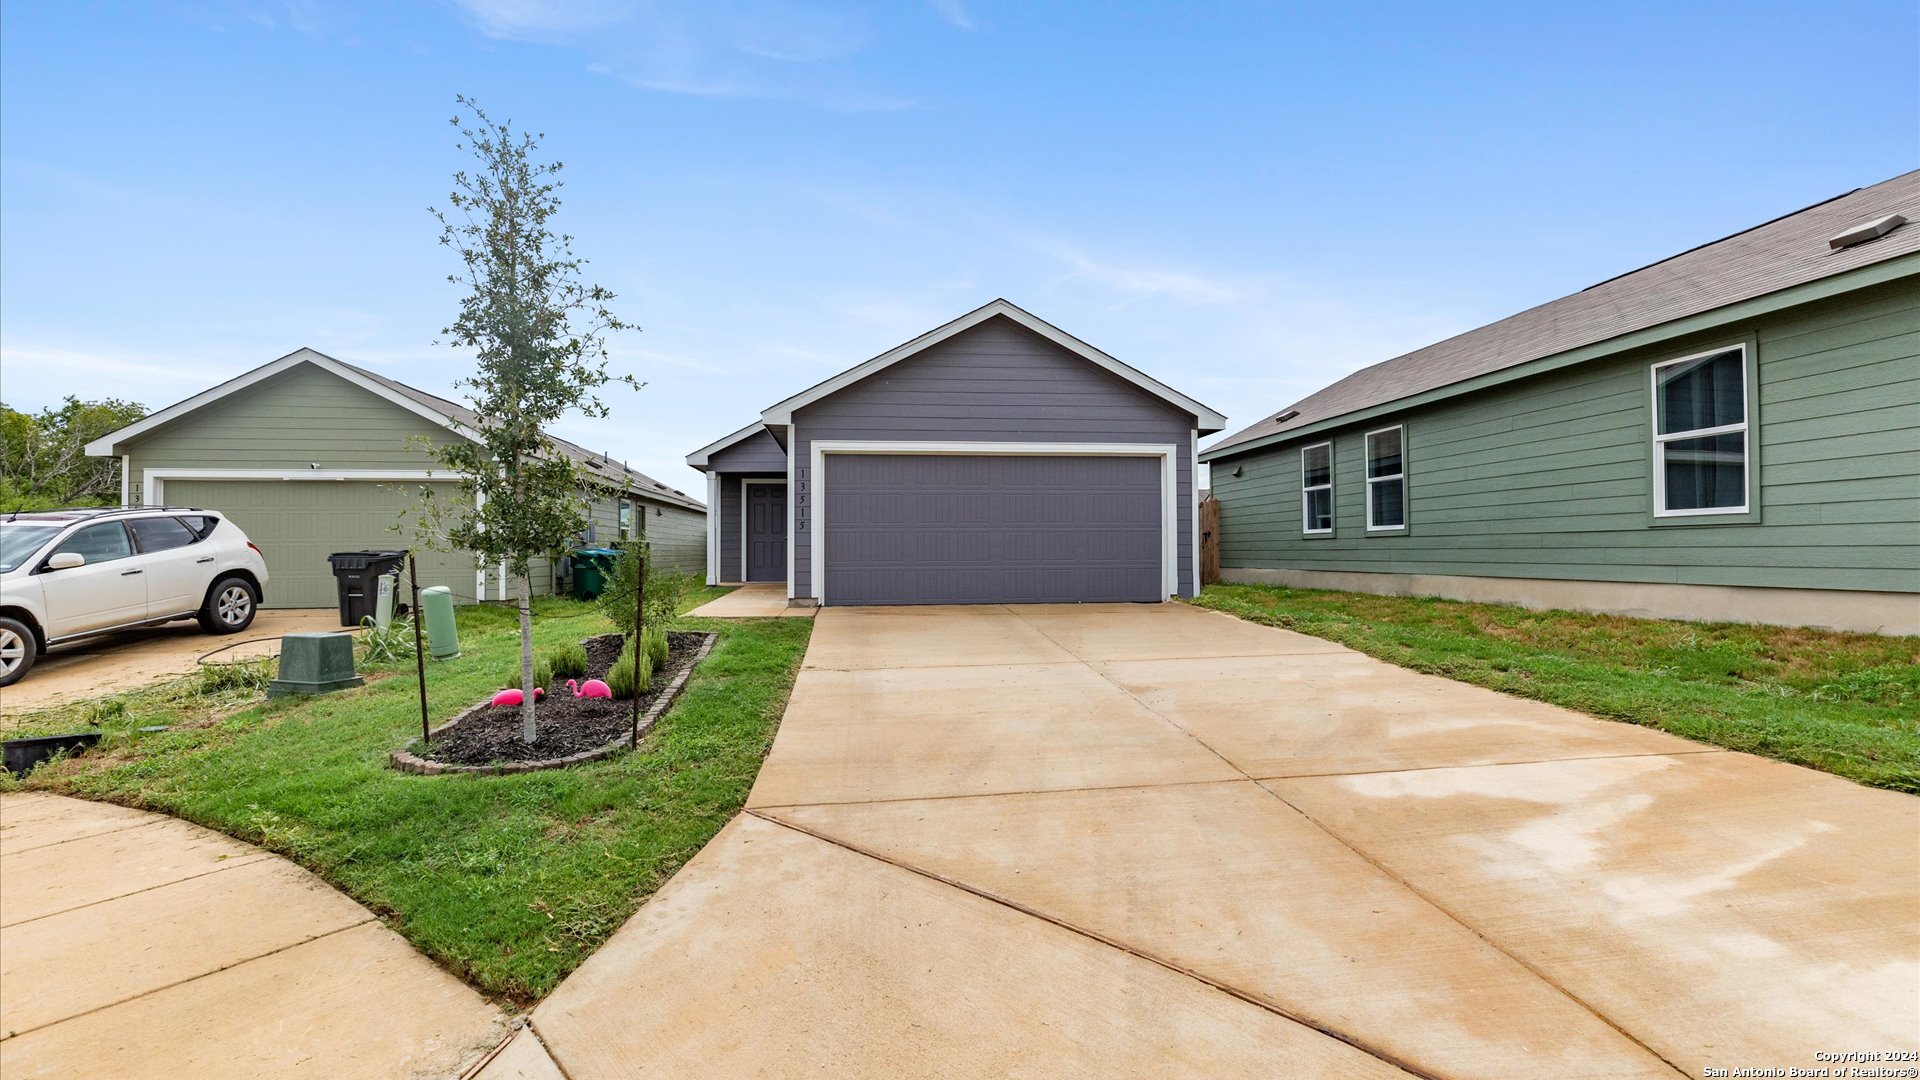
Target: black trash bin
column 357, row 576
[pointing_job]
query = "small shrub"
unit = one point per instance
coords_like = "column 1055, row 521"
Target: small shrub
column 569, row 661
column 621, row 678
column 665, row 592
column 542, row 674
column 655, row 642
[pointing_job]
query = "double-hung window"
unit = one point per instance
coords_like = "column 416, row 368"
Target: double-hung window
column 1386, row 479
column 1700, row 434
column 1316, row 489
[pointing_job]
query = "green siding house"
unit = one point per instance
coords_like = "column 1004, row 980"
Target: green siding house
column 311, row 455
column 1729, row 434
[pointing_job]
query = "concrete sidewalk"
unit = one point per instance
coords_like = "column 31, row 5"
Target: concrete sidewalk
column 761, row 600
column 1158, row 841
column 136, row 945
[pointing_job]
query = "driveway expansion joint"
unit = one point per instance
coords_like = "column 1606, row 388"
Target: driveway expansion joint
column 1013, row 905
column 997, row 794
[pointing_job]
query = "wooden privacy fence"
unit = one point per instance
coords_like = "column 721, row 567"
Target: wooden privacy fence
column 1209, row 540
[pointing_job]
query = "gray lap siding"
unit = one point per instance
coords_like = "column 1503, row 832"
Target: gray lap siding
column 994, row 383
column 676, row 538
column 1552, row 477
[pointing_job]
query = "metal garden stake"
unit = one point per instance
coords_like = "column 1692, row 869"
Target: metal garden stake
column 639, row 639
column 419, row 650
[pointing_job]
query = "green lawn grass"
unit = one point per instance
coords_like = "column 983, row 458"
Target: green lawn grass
column 508, row 881
column 1845, row 703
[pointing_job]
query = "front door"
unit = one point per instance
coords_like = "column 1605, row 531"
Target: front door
column 766, row 532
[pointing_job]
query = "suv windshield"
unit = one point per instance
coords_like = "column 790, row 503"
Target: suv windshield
column 20, row 539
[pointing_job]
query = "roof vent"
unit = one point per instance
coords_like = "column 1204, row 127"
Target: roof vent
column 1872, row 230
column 1286, row 416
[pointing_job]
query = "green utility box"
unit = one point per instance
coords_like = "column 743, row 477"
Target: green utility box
column 443, row 638
column 315, row 664
column 591, row 569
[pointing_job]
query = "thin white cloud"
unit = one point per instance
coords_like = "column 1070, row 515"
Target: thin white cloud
column 21, row 360
column 1138, row 282
column 954, row 13
column 514, row 20
column 768, row 49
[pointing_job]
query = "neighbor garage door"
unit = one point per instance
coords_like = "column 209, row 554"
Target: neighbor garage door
column 951, row 529
column 298, row 523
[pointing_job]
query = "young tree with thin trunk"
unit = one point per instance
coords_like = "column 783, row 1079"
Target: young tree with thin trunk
column 538, row 334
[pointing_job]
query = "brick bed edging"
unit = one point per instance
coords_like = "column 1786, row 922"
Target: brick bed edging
column 405, row 760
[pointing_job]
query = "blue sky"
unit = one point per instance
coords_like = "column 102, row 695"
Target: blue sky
column 1245, row 200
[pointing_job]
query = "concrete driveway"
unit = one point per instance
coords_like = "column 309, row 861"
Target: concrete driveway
column 1155, row 840
column 136, row 945
column 127, row 661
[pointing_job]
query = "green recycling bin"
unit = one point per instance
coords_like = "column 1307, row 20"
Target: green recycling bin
column 436, row 606
column 592, row 567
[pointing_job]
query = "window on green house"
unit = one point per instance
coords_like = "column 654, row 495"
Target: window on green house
column 1386, row 479
column 1700, row 434
column 626, row 520
column 1316, row 488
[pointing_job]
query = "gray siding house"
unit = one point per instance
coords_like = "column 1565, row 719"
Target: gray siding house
column 1730, row 434
column 311, row 455
column 995, row 459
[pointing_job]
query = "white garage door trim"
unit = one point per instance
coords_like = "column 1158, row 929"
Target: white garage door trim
column 1169, row 488
column 153, row 485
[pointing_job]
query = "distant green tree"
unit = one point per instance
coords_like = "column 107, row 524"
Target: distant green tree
column 538, row 335
column 43, row 456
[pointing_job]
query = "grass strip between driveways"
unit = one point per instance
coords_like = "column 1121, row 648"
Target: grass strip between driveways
column 1848, row 704
column 508, row 881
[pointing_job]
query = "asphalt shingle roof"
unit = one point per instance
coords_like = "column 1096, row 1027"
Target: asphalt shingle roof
column 615, row 473
column 1780, row 254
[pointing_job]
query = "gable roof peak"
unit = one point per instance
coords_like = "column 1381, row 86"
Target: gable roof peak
column 781, row 412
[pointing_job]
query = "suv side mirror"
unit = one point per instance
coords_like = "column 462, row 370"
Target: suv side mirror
column 66, row 560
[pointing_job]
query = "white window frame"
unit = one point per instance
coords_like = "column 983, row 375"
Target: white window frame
column 1660, row 441
column 1366, row 473
column 1305, row 511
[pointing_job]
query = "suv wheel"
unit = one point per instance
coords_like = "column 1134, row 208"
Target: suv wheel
column 230, row 606
column 18, row 650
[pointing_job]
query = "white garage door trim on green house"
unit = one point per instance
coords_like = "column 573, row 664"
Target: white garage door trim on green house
column 312, row 586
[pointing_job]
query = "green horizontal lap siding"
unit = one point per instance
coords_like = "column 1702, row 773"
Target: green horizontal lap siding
column 1552, row 477
column 301, row 417
column 297, row 524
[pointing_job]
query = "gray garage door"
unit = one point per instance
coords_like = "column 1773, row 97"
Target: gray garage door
column 298, row 523
column 940, row 529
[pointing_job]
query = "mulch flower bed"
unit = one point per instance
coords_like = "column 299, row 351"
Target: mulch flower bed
column 571, row 729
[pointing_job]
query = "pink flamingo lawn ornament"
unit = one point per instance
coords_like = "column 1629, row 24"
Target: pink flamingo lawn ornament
column 515, row 697
column 592, row 688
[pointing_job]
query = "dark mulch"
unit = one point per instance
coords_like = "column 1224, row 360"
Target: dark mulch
column 567, row 725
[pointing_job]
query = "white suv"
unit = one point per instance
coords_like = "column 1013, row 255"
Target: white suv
column 69, row 574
